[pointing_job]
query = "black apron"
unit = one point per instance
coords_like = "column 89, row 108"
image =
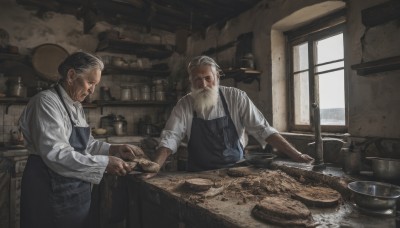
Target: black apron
column 49, row 200
column 213, row 143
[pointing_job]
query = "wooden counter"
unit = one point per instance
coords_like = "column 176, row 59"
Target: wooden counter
column 158, row 202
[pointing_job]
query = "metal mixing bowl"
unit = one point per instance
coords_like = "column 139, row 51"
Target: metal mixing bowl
column 374, row 195
column 259, row 159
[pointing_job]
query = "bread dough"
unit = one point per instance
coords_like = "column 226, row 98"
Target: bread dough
column 283, row 211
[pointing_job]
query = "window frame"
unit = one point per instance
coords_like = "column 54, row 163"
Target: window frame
column 326, row 27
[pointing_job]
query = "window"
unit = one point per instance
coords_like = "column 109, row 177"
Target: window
column 317, row 75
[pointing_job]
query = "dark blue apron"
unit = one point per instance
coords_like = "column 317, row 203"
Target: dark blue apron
column 213, row 143
column 49, row 200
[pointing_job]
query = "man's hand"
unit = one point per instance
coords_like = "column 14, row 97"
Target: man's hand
column 161, row 156
column 280, row 143
column 126, row 152
column 117, row 166
column 305, row 158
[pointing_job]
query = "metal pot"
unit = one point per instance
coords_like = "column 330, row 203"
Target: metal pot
column 374, row 195
column 385, row 168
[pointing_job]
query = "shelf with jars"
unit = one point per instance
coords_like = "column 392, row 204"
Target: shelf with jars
column 244, row 75
column 111, row 69
column 119, row 103
column 9, row 101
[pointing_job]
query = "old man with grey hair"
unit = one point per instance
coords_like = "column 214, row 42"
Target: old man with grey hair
column 214, row 118
column 64, row 158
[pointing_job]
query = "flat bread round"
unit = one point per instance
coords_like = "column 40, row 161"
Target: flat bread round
column 283, row 211
column 199, row 184
column 239, row 171
column 318, row 196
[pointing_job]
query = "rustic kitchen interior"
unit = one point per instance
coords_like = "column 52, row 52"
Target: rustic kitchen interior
column 325, row 74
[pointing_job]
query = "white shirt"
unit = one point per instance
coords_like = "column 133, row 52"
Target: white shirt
column 46, row 127
column 244, row 114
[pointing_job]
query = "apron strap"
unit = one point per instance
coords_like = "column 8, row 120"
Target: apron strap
column 63, row 102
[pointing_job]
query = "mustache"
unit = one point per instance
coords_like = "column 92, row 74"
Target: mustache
column 201, row 90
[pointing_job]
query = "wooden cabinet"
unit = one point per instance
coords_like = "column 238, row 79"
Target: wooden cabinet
column 12, row 165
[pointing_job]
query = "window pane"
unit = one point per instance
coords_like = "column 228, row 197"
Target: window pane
column 301, row 99
column 330, row 66
column 331, row 98
column 330, row 49
column 300, row 57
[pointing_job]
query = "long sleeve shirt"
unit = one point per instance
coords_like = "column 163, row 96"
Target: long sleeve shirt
column 245, row 116
column 46, row 128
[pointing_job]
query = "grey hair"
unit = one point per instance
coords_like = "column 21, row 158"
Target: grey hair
column 204, row 60
column 81, row 62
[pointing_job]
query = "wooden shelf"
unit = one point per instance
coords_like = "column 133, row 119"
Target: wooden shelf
column 242, row 75
column 14, row 57
column 110, row 69
column 151, row 51
column 9, row 101
column 116, row 103
column 130, row 103
column 382, row 65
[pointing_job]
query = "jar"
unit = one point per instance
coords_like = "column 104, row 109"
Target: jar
column 146, row 93
column 159, row 85
column 135, row 92
column 17, row 89
column 160, row 96
column 126, row 93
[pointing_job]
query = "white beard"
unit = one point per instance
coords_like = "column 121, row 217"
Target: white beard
column 204, row 99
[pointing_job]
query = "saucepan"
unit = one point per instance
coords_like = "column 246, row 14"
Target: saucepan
column 385, row 168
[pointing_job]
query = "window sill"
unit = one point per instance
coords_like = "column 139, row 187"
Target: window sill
column 310, row 136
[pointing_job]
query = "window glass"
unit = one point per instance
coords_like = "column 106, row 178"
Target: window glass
column 301, row 99
column 329, row 49
column 331, row 98
column 321, row 80
column 300, row 57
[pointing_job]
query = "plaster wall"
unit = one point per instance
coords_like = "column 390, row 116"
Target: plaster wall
column 26, row 31
column 373, row 101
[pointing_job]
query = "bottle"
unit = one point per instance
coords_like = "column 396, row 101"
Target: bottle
column 352, row 160
column 18, row 89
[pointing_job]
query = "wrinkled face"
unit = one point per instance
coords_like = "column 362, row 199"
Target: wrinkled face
column 80, row 86
column 205, row 85
column 203, row 76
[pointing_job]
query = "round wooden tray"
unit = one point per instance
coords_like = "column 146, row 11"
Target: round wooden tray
column 45, row 60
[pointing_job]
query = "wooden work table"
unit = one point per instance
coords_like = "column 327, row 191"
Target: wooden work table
column 158, row 202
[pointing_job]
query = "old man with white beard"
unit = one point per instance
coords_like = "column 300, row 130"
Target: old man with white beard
column 214, row 118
